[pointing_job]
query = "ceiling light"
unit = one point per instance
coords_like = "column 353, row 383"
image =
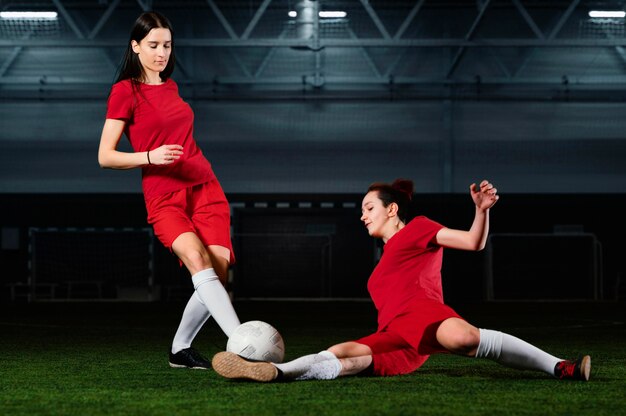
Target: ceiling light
column 28, row 15
column 324, row 14
column 333, row 14
column 607, row 13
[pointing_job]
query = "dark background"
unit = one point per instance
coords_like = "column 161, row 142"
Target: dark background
column 282, row 249
column 297, row 123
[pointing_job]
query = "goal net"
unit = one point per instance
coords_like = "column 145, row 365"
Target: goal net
column 91, row 263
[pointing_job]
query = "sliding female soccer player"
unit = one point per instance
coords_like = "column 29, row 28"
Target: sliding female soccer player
column 185, row 203
column 413, row 321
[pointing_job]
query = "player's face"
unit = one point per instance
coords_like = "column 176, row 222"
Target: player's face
column 154, row 50
column 374, row 215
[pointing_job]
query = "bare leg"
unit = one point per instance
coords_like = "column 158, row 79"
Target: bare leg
column 459, row 337
column 321, row 366
column 354, row 357
column 220, row 259
column 208, row 268
column 192, row 252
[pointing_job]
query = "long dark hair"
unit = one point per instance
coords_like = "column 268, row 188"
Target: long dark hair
column 130, row 67
column 400, row 192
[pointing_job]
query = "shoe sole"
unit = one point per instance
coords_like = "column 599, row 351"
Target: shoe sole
column 230, row 365
column 184, row 366
column 585, row 367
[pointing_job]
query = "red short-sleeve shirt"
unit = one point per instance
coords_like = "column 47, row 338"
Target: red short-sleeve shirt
column 156, row 115
column 410, row 269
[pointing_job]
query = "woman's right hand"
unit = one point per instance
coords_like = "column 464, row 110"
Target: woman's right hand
column 166, row 154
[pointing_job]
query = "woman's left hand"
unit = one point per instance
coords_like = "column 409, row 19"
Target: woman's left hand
column 485, row 196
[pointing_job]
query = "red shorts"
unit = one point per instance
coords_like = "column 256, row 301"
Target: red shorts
column 409, row 339
column 201, row 209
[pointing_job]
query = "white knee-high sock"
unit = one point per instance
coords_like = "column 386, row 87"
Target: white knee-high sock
column 320, row 366
column 194, row 316
column 212, row 293
column 513, row 352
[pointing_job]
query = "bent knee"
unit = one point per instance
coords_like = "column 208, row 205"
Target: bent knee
column 466, row 343
column 195, row 259
column 459, row 337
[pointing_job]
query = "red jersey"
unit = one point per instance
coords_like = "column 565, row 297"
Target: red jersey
column 410, row 269
column 156, row 115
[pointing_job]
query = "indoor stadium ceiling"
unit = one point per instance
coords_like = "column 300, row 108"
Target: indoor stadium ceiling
column 423, row 48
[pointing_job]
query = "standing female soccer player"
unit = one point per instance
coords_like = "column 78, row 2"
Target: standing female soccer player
column 185, row 203
column 413, row 321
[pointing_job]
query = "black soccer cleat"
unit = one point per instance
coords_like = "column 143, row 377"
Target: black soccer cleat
column 574, row 370
column 189, row 358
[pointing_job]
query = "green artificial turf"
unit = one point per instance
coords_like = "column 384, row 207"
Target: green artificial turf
column 111, row 359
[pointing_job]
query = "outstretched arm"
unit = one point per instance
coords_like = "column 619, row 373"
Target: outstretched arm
column 476, row 238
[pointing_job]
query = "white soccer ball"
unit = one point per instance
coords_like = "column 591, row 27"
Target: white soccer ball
column 257, row 340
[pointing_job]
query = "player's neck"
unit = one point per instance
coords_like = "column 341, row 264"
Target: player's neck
column 393, row 229
column 151, row 78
